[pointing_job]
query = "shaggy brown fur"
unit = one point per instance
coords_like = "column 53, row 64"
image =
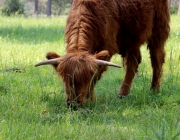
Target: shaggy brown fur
column 119, row 27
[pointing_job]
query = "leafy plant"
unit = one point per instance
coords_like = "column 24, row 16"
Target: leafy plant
column 12, row 7
column 174, row 9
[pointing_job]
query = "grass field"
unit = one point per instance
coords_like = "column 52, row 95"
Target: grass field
column 32, row 100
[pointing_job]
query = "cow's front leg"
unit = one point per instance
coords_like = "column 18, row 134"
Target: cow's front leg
column 131, row 62
column 91, row 94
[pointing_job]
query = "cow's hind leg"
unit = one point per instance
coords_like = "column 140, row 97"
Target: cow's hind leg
column 131, row 61
column 157, row 55
column 160, row 33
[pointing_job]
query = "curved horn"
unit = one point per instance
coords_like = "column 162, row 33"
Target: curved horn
column 48, row 62
column 106, row 63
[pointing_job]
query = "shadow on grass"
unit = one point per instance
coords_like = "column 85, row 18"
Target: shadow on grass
column 32, row 35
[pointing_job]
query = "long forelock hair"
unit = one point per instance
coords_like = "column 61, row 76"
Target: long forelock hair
column 77, row 69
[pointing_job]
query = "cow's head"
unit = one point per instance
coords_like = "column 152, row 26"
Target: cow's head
column 79, row 72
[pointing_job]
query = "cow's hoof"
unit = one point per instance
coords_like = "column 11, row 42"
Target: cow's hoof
column 121, row 96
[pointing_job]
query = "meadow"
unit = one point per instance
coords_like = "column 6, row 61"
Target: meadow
column 32, row 100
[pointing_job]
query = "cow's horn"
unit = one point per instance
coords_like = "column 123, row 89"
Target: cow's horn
column 106, row 63
column 48, row 62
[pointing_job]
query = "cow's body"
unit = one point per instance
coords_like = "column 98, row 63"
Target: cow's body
column 98, row 29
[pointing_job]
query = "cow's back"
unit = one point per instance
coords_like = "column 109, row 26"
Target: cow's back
column 115, row 26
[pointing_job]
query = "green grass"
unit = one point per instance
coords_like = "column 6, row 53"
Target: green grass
column 32, row 101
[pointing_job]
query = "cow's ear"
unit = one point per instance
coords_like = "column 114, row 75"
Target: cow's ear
column 52, row 55
column 103, row 55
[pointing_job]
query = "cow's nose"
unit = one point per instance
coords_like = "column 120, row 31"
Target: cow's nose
column 73, row 105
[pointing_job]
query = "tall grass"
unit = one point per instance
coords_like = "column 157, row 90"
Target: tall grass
column 32, row 100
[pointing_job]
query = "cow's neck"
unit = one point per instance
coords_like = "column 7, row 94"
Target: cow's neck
column 81, row 36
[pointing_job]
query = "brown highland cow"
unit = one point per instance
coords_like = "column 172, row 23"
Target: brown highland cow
column 98, row 29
